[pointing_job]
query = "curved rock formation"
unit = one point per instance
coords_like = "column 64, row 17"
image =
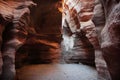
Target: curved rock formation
column 77, row 30
column 107, row 24
column 44, row 37
column 14, row 20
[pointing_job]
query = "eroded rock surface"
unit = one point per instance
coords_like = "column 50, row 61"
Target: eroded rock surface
column 80, row 37
column 108, row 23
column 14, row 20
column 76, row 13
column 44, row 37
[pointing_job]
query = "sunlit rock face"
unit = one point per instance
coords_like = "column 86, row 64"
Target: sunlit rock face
column 76, row 27
column 80, row 39
column 107, row 24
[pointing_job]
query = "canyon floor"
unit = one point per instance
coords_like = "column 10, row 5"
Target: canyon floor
column 57, row 72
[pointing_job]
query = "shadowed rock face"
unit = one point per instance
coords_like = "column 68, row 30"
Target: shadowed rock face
column 39, row 49
column 46, row 17
column 108, row 30
column 43, row 34
column 43, row 41
column 44, row 37
column 14, row 20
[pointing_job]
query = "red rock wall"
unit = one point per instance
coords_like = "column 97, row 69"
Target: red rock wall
column 80, row 41
column 108, row 23
column 14, row 20
column 43, row 43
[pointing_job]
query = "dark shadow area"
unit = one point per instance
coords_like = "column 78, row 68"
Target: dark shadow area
column 44, row 38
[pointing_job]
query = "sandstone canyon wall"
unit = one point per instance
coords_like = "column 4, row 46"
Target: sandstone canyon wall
column 44, row 36
column 36, row 28
column 107, row 21
column 83, row 42
column 14, row 22
column 76, row 15
column 80, row 39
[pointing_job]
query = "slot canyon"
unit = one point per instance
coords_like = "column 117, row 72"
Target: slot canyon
column 59, row 39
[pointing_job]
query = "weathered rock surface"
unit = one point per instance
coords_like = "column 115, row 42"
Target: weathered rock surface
column 108, row 23
column 14, row 20
column 76, row 29
column 44, row 37
column 79, row 34
column 39, row 49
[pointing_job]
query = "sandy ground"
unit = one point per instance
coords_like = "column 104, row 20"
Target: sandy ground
column 57, row 72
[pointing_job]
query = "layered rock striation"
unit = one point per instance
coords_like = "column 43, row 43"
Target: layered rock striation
column 107, row 22
column 14, row 20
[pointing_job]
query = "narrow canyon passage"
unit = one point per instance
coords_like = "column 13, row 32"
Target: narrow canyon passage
column 59, row 39
column 57, row 72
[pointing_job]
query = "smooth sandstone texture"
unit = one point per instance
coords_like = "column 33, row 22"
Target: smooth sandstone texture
column 77, row 47
column 14, row 20
column 107, row 24
column 80, row 37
